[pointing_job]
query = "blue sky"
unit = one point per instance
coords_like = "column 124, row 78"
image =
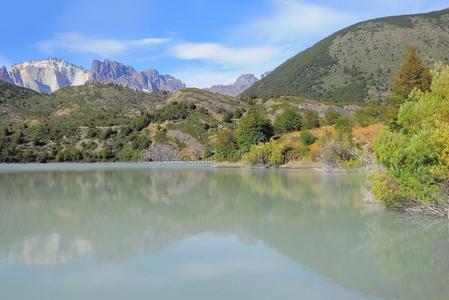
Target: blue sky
column 202, row 42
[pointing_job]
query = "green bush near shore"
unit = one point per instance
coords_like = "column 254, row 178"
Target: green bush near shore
column 415, row 153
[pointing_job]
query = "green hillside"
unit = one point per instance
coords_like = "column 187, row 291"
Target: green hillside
column 106, row 122
column 358, row 62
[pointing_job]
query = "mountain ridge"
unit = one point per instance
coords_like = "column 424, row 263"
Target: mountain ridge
column 52, row 74
column 242, row 83
column 357, row 63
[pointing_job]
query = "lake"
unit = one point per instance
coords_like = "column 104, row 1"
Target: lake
column 149, row 231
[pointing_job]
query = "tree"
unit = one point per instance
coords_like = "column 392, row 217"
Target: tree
column 412, row 74
column 225, row 145
column 254, row 128
column 416, row 157
column 289, row 120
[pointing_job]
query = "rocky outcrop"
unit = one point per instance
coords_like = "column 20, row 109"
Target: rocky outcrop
column 242, row 83
column 52, row 74
column 48, row 75
column 4, row 75
column 109, row 71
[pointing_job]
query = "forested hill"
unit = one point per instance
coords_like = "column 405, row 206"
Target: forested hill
column 358, row 62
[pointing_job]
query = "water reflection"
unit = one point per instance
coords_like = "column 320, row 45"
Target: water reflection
column 314, row 220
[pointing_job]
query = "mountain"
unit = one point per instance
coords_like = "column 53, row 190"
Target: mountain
column 110, row 122
column 240, row 85
column 48, row 75
column 4, row 75
column 12, row 92
column 358, row 63
column 108, row 71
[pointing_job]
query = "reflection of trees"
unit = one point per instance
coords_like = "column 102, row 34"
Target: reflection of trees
column 307, row 216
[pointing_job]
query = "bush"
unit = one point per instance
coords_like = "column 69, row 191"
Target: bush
column 141, row 122
column 368, row 115
column 227, row 117
column 268, row 154
column 225, row 145
column 254, row 128
column 331, row 116
column 106, row 134
column 307, row 138
column 289, row 120
column 311, row 118
column 386, row 187
column 92, row 131
column 416, row 155
column 343, row 127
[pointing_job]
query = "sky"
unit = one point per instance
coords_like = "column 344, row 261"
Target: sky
column 202, row 42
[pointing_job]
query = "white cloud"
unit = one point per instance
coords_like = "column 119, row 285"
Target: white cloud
column 292, row 20
column 222, row 54
column 103, row 47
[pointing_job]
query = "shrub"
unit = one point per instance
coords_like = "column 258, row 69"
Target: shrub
column 416, row 155
column 268, row 154
column 311, row 118
column 92, row 131
column 297, row 153
column 386, row 187
column 343, row 127
column 307, row 138
column 289, row 120
column 225, row 145
column 368, row 115
column 253, row 128
column 106, row 134
column 141, row 122
column 227, row 117
column 331, row 116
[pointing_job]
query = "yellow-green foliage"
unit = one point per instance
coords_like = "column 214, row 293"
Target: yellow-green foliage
column 386, row 187
column 417, row 154
column 267, row 154
column 225, row 145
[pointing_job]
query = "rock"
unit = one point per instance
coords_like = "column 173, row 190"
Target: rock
column 109, row 71
column 52, row 74
column 239, row 86
column 48, row 75
column 4, row 75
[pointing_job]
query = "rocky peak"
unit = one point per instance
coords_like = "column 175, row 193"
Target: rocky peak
column 242, row 83
column 48, row 75
column 4, row 75
column 150, row 80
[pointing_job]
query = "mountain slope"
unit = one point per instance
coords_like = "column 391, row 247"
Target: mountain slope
column 240, row 85
column 10, row 92
column 358, row 62
column 109, row 122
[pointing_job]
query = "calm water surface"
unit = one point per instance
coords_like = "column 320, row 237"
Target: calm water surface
column 177, row 232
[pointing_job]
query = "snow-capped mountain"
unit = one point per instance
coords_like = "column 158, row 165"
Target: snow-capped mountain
column 242, row 83
column 49, row 75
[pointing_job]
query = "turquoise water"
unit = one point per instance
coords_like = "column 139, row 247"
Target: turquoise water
column 145, row 231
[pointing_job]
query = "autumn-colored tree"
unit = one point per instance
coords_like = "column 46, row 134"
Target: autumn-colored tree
column 412, row 74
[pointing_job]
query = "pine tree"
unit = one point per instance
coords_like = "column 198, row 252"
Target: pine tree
column 412, row 74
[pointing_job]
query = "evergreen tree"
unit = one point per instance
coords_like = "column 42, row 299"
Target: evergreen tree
column 412, row 74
